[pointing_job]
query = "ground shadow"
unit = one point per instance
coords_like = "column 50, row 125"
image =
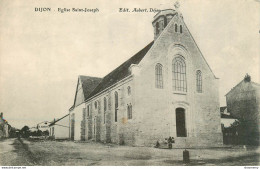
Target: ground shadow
column 244, row 160
column 22, row 150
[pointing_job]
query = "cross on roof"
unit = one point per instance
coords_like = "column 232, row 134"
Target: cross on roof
column 177, row 5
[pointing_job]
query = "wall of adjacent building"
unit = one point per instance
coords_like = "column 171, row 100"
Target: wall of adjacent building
column 4, row 131
column 243, row 103
column 76, row 121
column 4, row 128
column 61, row 128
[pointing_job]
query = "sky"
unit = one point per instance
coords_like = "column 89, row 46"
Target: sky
column 43, row 53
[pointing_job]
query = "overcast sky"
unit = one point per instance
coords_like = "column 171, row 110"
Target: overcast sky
column 42, row 53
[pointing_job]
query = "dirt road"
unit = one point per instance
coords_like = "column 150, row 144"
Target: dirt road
column 14, row 152
column 21, row 152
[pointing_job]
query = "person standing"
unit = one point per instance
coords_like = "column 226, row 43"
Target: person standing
column 170, row 142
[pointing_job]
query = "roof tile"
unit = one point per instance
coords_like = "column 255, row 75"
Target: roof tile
column 120, row 72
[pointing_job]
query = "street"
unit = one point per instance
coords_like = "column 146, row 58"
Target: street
column 21, row 152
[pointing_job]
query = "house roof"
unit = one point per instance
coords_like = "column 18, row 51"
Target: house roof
column 120, row 72
column 55, row 121
column 235, row 87
column 88, row 84
column 71, row 108
column 3, row 120
column 254, row 84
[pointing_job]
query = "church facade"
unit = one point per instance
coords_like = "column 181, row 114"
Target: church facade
column 166, row 89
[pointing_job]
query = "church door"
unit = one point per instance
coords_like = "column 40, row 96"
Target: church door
column 180, row 123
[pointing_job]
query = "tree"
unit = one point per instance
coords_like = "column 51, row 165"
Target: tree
column 25, row 132
column 46, row 133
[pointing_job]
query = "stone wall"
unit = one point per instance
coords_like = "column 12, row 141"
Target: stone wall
column 153, row 110
column 120, row 132
column 157, row 106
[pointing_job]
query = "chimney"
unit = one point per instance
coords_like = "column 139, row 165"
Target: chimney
column 247, row 78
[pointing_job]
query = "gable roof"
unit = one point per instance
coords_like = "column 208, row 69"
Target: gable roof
column 189, row 33
column 257, row 85
column 253, row 84
column 199, row 50
column 72, row 107
column 234, row 87
column 55, row 121
column 120, row 72
column 88, row 84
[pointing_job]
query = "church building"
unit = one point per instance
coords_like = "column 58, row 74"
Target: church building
column 165, row 89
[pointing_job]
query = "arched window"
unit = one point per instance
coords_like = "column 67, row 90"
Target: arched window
column 129, row 111
column 129, row 90
column 96, row 104
column 199, row 81
column 105, row 109
column 99, row 106
column 165, row 21
column 161, row 25
column 158, row 76
column 180, row 28
column 105, row 104
column 116, row 105
column 179, row 74
column 176, row 28
column 88, row 110
column 157, row 28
